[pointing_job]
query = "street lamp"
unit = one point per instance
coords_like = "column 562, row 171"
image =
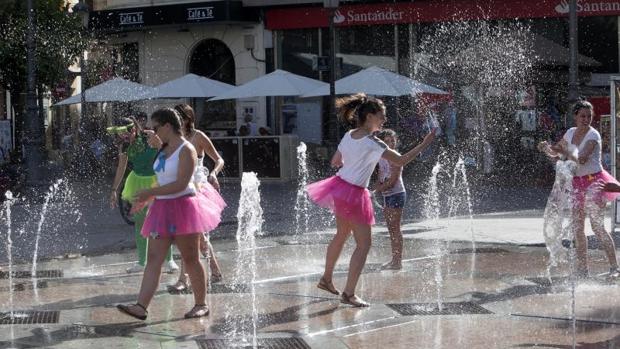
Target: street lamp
column 83, row 11
column 332, row 5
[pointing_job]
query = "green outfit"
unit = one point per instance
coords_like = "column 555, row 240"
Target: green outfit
column 142, row 176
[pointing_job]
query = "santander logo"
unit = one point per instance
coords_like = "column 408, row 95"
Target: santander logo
column 338, row 17
column 591, row 7
column 562, row 7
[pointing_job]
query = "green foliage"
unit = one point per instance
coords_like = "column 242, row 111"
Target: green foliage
column 59, row 41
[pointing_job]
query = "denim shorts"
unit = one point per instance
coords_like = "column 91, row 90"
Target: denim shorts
column 395, row 200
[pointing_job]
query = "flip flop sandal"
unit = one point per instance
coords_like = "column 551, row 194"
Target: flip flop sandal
column 329, row 287
column 126, row 309
column 391, row 266
column 199, row 310
column 216, row 278
column 350, row 300
column 178, row 287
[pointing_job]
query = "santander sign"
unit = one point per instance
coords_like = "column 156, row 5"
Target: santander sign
column 355, row 16
column 432, row 11
column 592, row 7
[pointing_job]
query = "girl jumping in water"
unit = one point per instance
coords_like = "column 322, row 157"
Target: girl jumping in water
column 582, row 144
column 346, row 193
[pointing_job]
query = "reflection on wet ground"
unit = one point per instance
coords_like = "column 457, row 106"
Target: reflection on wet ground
column 508, row 301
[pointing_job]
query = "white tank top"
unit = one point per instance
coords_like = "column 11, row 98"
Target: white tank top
column 167, row 170
column 201, row 173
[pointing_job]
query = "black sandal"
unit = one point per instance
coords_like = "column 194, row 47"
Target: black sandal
column 199, row 310
column 125, row 309
column 327, row 286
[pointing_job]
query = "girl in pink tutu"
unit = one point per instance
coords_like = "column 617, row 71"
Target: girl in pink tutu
column 203, row 179
column 583, row 145
column 179, row 213
column 346, row 193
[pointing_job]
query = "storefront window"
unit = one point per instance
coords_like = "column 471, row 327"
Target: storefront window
column 212, row 59
column 363, row 46
column 298, row 50
column 598, row 39
column 127, row 61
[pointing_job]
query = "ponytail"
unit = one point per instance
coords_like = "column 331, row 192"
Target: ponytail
column 354, row 109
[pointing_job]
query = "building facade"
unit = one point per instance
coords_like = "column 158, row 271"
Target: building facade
column 237, row 41
column 157, row 41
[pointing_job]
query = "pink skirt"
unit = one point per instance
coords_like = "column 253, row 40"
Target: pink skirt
column 189, row 214
column 346, row 200
column 582, row 184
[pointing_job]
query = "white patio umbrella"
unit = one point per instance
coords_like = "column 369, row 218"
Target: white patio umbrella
column 191, row 86
column 115, row 90
column 379, row 82
column 277, row 83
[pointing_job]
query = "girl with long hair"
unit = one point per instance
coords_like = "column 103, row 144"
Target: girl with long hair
column 346, row 193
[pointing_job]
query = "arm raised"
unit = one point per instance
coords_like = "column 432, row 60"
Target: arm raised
column 402, row 160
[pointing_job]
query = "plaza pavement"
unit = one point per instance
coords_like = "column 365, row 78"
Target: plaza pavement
column 504, row 285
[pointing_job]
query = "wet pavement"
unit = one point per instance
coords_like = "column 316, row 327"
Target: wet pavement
column 444, row 297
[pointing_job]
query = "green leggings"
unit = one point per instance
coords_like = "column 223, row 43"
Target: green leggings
column 142, row 243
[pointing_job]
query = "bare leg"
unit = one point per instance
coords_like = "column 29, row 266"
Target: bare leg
column 216, row 272
column 361, row 233
column 189, row 246
column 182, row 282
column 343, row 229
column 393, row 218
column 580, row 241
column 157, row 250
column 597, row 216
column 205, row 247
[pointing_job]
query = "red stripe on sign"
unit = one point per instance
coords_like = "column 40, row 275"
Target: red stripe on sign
column 434, row 11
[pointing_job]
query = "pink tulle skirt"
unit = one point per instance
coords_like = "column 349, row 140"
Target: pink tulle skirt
column 581, row 187
column 190, row 214
column 346, row 200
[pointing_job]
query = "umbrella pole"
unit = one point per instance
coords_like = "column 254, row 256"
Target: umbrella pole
column 332, row 119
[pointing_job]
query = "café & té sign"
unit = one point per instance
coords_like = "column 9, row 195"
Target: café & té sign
column 139, row 17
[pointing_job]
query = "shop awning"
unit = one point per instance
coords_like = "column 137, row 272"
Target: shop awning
column 379, row 82
column 191, row 86
column 115, row 90
column 277, row 83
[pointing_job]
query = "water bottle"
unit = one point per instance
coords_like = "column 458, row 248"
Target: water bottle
column 433, row 123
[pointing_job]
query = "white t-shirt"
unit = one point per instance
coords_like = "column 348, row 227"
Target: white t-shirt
column 385, row 171
column 359, row 158
column 593, row 165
